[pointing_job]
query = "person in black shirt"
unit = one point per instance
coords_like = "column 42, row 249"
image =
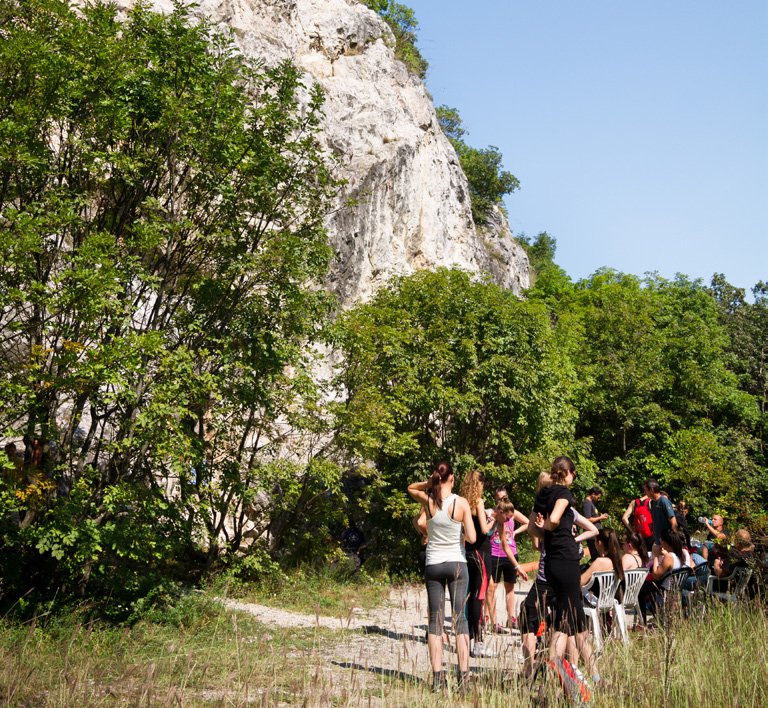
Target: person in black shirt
column 681, row 511
column 590, row 512
column 552, row 519
column 353, row 543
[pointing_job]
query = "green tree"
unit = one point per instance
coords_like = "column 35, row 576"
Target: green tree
column 488, row 181
column 541, row 253
column 439, row 365
column 161, row 243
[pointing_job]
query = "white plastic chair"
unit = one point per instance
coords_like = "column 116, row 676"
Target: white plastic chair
column 737, row 585
column 605, row 602
column 633, row 581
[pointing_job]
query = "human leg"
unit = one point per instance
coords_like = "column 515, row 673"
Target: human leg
column 509, row 589
column 435, row 580
column 565, row 580
column 457, row 588
column 532, row 616
column 474, row 602
column 490, row 600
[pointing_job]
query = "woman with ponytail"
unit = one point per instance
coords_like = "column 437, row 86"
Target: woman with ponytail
column 447, row 515
column 552, row 520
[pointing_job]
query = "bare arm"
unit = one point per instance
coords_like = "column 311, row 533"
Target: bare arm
column 508, row 550
column 714, row 531
column 418, row 492
column 485, row 526
column 420, row 522
column 586, row 576
column 536, row 525
column 673, row 523
column 521, row 519
column 660, row 565
column 627, row 514
column 590, row 530
column 553, row 520
column 462, row 506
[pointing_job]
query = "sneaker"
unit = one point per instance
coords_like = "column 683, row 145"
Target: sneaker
column 577, row 691
column 498, row 629
column 512, row 622
column 479, row 651
column 439, row 682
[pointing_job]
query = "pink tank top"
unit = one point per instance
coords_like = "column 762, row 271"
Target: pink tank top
column 509, row 529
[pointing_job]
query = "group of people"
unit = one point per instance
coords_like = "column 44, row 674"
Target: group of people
column 460, row 555
column 469, row 549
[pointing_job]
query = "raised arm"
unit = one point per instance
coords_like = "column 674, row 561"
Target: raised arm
column 485, row 526
column 713, row 530
column 661, row 564
column 418, row 492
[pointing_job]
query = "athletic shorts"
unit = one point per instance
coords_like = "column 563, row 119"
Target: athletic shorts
column 502, row 568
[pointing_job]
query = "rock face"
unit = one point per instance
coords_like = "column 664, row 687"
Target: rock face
column 413, row 208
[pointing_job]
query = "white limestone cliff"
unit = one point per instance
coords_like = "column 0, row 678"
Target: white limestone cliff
column 412, row 208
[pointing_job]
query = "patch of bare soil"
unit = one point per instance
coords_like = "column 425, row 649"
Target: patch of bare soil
column 391, row 640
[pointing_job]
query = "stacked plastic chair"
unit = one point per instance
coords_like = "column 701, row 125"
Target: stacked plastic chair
column 605, row 602
column 633, row 581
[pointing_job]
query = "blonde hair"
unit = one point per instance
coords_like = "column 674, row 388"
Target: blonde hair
column 505, row 506
column 544, row 480
column 472, row 487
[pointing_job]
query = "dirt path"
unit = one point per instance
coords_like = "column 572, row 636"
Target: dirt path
column 393, row 637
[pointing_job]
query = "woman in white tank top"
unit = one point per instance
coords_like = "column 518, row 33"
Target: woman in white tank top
column 447, row 516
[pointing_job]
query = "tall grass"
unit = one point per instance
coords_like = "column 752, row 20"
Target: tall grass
column 205, row 655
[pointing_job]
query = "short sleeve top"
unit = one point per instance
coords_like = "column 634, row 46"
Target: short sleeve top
column 559, row 544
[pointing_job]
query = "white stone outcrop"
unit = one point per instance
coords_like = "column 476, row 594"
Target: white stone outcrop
column 412, row 209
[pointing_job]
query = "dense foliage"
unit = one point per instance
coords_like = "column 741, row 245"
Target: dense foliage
column 633, row 378
column 161, row 240
column 161, row 260
column 488, row 181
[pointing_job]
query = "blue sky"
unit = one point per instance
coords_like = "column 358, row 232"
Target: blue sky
column 638, row 130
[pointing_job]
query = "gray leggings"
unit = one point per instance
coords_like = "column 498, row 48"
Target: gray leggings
column 456, row 575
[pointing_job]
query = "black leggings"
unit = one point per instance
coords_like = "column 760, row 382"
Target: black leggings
column 564, row 578
column 456, row 576
column 534, row 610
column 478, row 565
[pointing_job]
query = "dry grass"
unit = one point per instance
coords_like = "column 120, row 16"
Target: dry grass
column 209, row 656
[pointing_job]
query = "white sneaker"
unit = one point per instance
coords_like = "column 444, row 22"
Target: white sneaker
column 478, row 650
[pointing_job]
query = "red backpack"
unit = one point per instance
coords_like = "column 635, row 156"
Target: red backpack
column 643, row 518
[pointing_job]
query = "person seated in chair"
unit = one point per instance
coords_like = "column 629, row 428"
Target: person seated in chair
column 608, row 558
column 635, row 553
column 740, row 555
column 670, row 556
